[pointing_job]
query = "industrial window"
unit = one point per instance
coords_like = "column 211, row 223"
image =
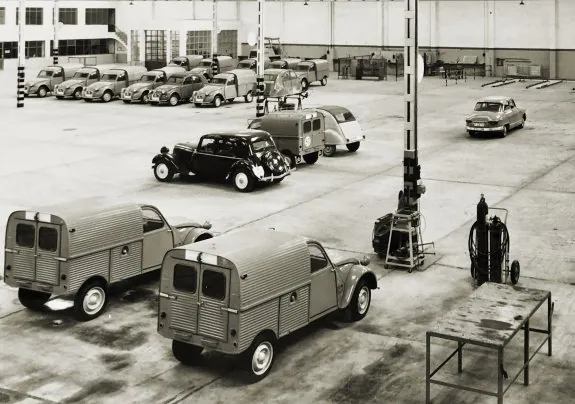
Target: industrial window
column 316, row 124
column 8, row 50
column 100, row 16
column 307, row 127
column 2, row 17
column 75, row 47
column 155, row 45
column 48, row 239
column 317, row 258
column 34, row 49
column 185, row 278
column 228, row 43
column 135, row 45
column 175, row 38
column 214, row 284
column 199, row 43
column 68, row 16
column 152, row 220
column 34, row 16
column 25, row 235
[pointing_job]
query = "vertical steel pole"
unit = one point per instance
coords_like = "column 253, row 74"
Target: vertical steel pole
column 427, row 368
column 56, row 20
column 411, row 168
column 215, row 65
column 260, row 65
column 21, row 54
column 526, row 354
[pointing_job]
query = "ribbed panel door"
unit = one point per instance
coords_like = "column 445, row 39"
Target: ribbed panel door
column 181, row 280
column 213, row 303
column 23, row 242
column 47, row 250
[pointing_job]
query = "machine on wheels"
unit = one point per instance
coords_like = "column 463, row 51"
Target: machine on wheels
column 489, row 247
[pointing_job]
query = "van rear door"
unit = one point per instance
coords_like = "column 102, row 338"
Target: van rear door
column 179, row 294
column 213, row 313
column 36, row 248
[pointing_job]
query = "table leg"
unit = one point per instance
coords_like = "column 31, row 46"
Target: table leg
column 427, row 369
column 500, row 376
column 526, row 355
column 549, row 324
column 459, row 357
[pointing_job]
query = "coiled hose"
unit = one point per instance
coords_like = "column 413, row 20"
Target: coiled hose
column 474, row 253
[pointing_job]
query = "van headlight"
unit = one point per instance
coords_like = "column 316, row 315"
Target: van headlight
column 258, row 171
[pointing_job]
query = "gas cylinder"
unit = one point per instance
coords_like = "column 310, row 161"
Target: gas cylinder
column 482, row 234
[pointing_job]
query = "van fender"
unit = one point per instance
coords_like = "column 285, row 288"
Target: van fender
column 167, row 159
column 198, row 234
column 333, row 137
column 354, row 276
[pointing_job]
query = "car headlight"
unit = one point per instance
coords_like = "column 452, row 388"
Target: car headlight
column 258, row 171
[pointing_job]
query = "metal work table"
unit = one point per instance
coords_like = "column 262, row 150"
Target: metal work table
column 490, row 318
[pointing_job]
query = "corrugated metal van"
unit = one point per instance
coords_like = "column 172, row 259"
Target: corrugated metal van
column 240, row 292
column 86, row 250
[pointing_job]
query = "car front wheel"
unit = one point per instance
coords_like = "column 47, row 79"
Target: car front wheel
column 174, row 99
column 323, row 81
column 249, row 97
column 42, row 92
column 78, row 94
column 505, row 131
column 329, row 151
column 360, row 301
column 217, row 101
column 243, row 181
column 107, row 97
column 163, row 172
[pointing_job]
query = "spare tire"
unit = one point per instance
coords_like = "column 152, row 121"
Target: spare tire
column 274, row 161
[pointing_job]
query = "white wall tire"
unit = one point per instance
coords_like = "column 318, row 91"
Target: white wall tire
column 163, row 172
column 243, row 181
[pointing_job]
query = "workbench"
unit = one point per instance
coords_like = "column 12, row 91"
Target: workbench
column 491, row 317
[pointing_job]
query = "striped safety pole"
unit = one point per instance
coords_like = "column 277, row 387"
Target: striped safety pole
column 260, row 65
column 55, row 41
column 215, row 65
column 21, row 55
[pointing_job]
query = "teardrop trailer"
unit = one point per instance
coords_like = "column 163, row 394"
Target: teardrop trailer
column 82, row 251
column 240, row 292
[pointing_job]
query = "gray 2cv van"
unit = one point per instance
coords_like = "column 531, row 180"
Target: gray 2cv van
column 81, row 79
column 240, row 292
column 49, row 77
column 112, row 82
column 227, row 87
column 82, row 251
column 313, row 70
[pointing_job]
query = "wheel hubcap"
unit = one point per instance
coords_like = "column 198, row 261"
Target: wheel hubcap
column 262, row 358
column 145, row 98
column 162, row 171
column 94, row 300
column 173, row 101
column 241, row 180
column 363, row 300
column 218, row 102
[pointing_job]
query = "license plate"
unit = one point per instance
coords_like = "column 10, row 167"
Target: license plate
column 60, row 91
column 480, row 124
column 88, row 95
column 127, row 97
column 200, row 99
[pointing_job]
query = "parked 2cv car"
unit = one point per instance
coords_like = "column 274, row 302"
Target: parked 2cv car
column 281, row 83
column 112, row 82
column 341, row 128
column 313, row 70
column 188, row 62
column 49, row 77
column 85, row 250
column 224, row 63
column 495, row 114
column 241, row 292
column 179, row 88
column 297, row 134
column 246, row 157
column 227, row 87
column 251, row 63
column 287, row 63
column 81, row 79
column 140, row 91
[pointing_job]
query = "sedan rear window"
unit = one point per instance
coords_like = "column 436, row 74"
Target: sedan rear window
column 214, row 285
column 344, row 117
column 488, row 106
column 25, row 235
column 48, row 239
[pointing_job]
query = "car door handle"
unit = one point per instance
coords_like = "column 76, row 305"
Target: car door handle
column 200, row 304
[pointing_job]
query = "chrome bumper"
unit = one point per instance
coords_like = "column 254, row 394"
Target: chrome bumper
column 484, row 129
column 273, row 177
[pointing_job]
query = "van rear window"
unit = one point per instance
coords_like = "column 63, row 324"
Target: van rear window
column 316, row 124
column 214, row 285
column 307, row 127
column 185, row 278
column 25, row 235
column 48, row 239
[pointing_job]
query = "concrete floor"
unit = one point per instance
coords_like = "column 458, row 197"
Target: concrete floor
column 67, row 151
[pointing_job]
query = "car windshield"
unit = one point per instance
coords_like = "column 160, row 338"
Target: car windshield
column 219, row 80
column 175, row 80
column 303, row 68
column 109, row 77
column 45, row 73
column 207, row 63
column 245, row 64
column 488, row 106
column 270, row 77
column 179, row 62
column 261, row 143
column 344, row 117
column 81, row 75
column 148, row 77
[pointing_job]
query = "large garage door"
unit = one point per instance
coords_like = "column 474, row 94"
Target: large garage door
column 155, row 49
